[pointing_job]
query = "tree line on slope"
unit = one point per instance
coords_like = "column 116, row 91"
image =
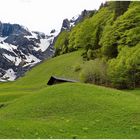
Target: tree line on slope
column 111, row 41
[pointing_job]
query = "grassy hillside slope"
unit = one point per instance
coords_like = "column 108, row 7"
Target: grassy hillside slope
column 72, row 111
column 31, row 109
column 37, row 78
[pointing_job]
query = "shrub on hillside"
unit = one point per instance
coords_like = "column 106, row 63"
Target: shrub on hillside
column 94, row 71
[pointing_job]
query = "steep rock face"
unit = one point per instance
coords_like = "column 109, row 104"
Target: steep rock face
column 68, row 24
column 7, row 29
column 20, row 49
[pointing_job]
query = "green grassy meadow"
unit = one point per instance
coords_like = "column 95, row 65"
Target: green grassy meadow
column 31, row 109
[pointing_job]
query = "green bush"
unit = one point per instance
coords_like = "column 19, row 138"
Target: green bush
column 94, row 71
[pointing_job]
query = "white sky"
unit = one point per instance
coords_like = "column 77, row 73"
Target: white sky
column 43, row 15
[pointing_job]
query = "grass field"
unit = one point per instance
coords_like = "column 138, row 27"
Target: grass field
column 31, row 109
column 37, row 78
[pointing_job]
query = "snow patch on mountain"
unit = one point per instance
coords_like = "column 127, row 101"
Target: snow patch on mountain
column 28, row 59
column 43, row 45
column 10, row 58
column 2, row 38
column 33, row 35
column 7, row 46
column 10, row 75
column 31, row 60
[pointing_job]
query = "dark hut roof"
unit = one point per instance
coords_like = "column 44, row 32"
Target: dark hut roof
column 57, row 80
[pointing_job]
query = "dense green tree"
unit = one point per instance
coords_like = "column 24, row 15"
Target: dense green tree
column 91, row 30
column 123, row 32
column 109, row 42
column 120, row 7
column 73, row 41
column 61, row 44
column 124, row 71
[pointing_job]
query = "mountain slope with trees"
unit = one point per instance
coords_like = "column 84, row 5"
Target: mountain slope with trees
column 110, row 33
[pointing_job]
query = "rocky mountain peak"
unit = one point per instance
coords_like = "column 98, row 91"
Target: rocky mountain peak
column 68, row 24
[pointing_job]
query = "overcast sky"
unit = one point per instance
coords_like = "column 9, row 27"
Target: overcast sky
column 43, row 15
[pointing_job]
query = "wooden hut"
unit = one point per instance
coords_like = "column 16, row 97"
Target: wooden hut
column 56, row 80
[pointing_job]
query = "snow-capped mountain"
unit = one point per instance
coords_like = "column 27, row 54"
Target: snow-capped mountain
column 20, row 49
